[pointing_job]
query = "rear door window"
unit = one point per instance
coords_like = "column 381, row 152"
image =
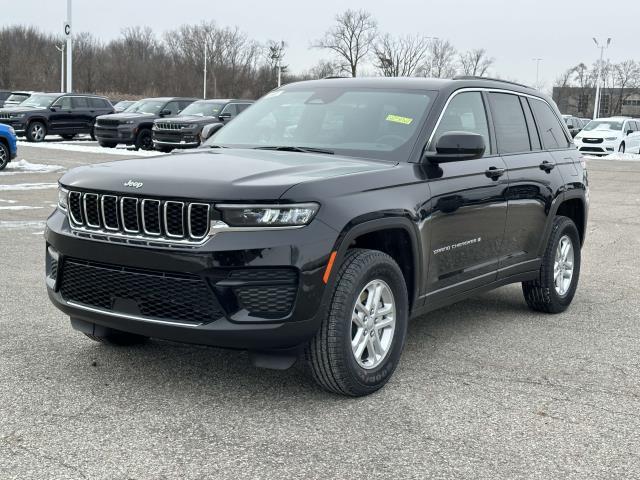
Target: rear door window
column 551, row 131
column 465, row 113
column 79, row 103
column 243, row 106
column 512, row 134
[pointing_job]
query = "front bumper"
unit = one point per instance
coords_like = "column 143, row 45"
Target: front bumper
column 603, row 148
column 122, row 134
column 175, row 138
column 18, row 124
column 304, row 251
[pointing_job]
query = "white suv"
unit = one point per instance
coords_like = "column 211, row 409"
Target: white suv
column 608, row 135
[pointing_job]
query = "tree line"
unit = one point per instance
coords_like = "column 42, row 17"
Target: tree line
column 142, row 63
column 623, row 78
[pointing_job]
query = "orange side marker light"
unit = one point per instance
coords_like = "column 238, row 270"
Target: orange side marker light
column 327, row 271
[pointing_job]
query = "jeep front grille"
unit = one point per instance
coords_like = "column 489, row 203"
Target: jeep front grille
column 117, row 217
column 5, row 116
column 168, row 126
column 107, row 122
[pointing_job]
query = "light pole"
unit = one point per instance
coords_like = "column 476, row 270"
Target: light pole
column 276, row 54
column 596, row 108
column 61, row 50
column 537, row 60
column 204, row 94
column 67, row 32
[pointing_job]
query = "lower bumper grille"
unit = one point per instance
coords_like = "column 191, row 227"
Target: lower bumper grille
column 147, row 293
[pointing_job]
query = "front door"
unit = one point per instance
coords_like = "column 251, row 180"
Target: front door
column 62, row 120
column 469, row 207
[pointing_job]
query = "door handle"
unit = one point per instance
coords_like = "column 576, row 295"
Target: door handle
column 547, row 166
column 494, row 172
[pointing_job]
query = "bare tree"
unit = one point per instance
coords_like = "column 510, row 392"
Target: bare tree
column 402, row 56
column 626, row 79
column 475, row 62
column 352, row 38
column 441, row 60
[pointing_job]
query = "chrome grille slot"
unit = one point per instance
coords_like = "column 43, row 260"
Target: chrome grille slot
column 168, row 126
column 151, row 217
column 129, row 214
column 5, row 116
column 174, row 219
column 198, row 220
column 138, row 221
column 91, row 210
column 75, row 207
column 110, row 212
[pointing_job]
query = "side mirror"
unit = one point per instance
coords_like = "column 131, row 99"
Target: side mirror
column 53, row 108
column 209, row 130
column 164, row 113
column 456, row 147
column 629, row 132
column 224, row 116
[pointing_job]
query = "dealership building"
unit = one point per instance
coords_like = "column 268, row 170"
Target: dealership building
column 579, row 101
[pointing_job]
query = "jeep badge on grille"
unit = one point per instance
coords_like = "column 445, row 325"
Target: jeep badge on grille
column 133, row 184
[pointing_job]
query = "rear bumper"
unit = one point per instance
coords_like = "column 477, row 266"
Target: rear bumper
column 304, row 251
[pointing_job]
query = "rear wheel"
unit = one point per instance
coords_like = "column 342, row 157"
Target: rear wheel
column 358, row 345
column 144, row 140
column 4, row 156
column 553, row 290
column 36, row 132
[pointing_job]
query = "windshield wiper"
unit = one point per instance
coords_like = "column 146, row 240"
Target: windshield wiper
column 290, row 148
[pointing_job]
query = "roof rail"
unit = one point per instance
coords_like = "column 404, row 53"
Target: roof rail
column 330, row 77
column 471, row 77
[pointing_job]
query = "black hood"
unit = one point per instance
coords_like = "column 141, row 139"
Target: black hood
column 217, row 175
column 123, row 117
column 188, row 119
column 21, row 109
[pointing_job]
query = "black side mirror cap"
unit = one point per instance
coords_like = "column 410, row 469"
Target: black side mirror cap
column 164, row 113
column 629, row 132
column 457, row 146
column 209, row 130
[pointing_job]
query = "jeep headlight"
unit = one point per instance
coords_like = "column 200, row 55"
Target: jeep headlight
column 63, row 198
column 293, row 215
column 189, row 126
column 17, row 115
column 129, row 122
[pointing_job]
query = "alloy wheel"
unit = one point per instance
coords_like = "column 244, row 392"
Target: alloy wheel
column 563, row 266
column 38, row 132
column 373, row 322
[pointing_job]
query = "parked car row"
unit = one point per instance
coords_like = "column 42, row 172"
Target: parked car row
column 604, row 136
column 163, row 123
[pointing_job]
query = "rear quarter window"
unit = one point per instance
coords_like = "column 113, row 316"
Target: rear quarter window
column 551, row 131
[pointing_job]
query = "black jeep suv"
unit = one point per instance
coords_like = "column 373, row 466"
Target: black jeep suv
column 183, row 131
column 45, row 114
column 133, row 126
column 322, row 219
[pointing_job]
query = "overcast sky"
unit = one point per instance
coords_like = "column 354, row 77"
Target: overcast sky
column 512, row 31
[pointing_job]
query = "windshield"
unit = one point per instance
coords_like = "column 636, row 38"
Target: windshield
column 203, row 109
column 39, row 101
column 123, row 104
column 378, row 123
column 18, row 97
column 146, row 106
column 603, row 125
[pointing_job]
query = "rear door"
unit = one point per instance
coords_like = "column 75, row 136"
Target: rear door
column 633, row 139
column 525, row 134
column 469, row 209
column 82, row 114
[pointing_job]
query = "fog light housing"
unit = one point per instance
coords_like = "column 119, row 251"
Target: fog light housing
column 52, row 268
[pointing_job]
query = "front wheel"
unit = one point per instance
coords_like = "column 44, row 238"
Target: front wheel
column 144, row 140
column 358, row 345
column 4, row 156
column 36, row 132
column 553, row 290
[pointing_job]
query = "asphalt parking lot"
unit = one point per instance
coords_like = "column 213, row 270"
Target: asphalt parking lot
column 486, row 388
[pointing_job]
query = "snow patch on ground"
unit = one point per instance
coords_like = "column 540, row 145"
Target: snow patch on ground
column 22, row 166
column 19, row 207
column 18, row 224
column 625, row 157
column 27, row 186
column 91, row 149
column 8, row 201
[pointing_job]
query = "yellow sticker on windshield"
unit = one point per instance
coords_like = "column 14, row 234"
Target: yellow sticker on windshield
column 399, row 119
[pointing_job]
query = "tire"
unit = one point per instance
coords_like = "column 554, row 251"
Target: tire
column 36, row 132
column 543, row 294
column 68, row 137
column 5, row 156
column 107, row 144
column 144, row 140
column 164, row 149
column 329, row 355
column 93, row 134
column 621, row 148
column 111, row 336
